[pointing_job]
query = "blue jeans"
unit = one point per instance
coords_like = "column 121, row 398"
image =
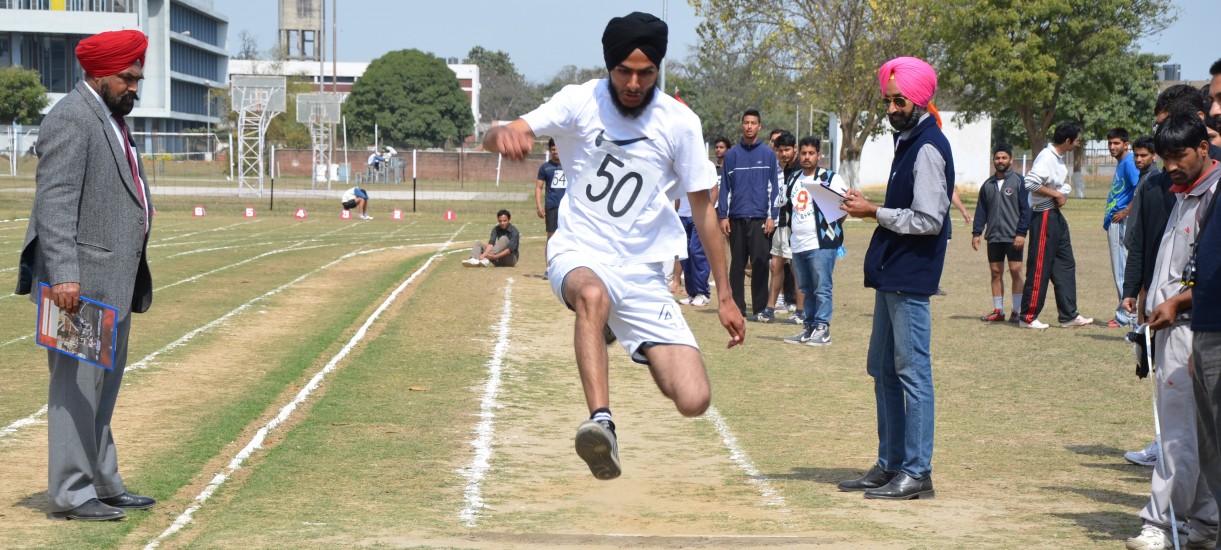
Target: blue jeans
column 813, row 269
column 902, row 371
column 1119, row 260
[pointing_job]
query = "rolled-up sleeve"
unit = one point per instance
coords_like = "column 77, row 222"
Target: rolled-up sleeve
column 930, row 198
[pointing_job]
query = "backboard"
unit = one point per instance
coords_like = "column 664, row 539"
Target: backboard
column 322, row 108
column 259, row 93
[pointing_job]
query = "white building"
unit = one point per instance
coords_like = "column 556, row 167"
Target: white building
column 344, row 73
column 971, row 144
column 187, row 53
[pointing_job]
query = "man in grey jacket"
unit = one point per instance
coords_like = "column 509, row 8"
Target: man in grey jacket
column 1004, row 208
column 87, row 237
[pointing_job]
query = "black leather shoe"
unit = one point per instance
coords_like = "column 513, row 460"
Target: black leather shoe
column 874, row 478
column 904, row 487
column 91, row 510
column 129, row 501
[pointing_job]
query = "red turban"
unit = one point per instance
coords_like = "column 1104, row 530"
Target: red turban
column 112, row 52
column 914, row 77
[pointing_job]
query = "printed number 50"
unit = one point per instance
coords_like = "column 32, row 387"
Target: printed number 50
column 638, row 184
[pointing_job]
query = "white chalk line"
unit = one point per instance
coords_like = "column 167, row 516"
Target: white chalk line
column 484, row 431
column 147, row 360
column 27, row 421
column 221, row 228
column 771, row 496
column 297, row 246
column 293, row 247
column 256, row 442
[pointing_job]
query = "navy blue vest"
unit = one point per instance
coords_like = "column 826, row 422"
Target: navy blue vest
column 910, row 263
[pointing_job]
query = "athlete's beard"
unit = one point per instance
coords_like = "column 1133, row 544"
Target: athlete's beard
column 119, row 105
column 902, row 123
column 630, row 112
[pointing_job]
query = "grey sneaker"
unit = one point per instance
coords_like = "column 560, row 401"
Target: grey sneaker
column 599, row 448
column 1143, row 457
column 765, row 316
column 820, row 336
column 796, row 319
column 800, row 338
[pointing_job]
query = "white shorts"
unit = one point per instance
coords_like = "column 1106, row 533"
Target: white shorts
column 780, row 243
column 642, row 310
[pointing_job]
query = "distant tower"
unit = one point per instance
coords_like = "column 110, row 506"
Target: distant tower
column 301, row 29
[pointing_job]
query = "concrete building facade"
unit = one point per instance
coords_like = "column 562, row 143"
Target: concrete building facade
column 187, row 53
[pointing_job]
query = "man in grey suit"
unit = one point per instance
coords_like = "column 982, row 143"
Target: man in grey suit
column 87, row 237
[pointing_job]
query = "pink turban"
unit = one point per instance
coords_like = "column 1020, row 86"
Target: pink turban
column 112, row 52
column 914, row 77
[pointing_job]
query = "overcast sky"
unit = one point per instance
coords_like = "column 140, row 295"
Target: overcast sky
column 541, row 36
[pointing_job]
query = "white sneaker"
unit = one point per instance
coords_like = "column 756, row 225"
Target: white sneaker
column 699, row 301
column 364, row 217
column 780, row 302
column 1143, row 457
column 1151, row 537
column 485, row 262
column 1035, row 324
column 1078, row 322
column 470, row 262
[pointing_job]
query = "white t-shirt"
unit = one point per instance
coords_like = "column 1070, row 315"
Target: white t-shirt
column 805, row 221
column 349, row 195
column 623, row 174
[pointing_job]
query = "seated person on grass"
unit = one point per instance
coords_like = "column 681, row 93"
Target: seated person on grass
column 501, row 248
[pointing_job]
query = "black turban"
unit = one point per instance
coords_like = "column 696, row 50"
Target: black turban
column 635, row 31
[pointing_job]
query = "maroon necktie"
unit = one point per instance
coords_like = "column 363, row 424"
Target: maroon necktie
column 135, row 168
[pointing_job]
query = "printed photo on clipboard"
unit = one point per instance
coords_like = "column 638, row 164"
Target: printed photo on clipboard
column 89, row 335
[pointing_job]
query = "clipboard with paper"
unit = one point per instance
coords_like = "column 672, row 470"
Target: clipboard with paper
column 828, row 194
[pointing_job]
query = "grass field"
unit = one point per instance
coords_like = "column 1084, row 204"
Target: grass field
column 329, row 383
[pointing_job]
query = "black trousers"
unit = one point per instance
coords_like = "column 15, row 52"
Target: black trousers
column 1049, row 258
column 746, row 239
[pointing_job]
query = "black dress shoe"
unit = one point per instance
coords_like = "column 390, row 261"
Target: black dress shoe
column 129, row 501
column 904, row 487
column 874, row 478
column 91, row 510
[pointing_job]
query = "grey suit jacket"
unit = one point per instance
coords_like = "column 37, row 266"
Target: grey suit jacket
column 87, row 223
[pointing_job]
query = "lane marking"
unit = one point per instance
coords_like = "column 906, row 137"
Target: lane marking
column 481, row 463
column 771, row 496
column 147, row 360
column 256, row 442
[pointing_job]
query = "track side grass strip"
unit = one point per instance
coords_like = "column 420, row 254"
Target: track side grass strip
column 285, row 412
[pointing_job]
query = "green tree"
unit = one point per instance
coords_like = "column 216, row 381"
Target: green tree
column 828, row 51
column 504, row 94
column 413, row 98
column 1034, row 57
column 22, row 96
column 570, row 74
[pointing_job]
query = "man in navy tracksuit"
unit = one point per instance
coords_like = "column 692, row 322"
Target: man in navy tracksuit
column 747, row 210
column 904, row 263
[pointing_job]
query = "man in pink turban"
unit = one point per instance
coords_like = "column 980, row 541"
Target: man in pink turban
column 87, row 237
column 903, row 264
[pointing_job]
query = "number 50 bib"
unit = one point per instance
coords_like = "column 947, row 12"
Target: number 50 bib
column 617, row 186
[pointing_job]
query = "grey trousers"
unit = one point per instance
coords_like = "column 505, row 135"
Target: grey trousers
column 501, row 244
column 81, row 459
column 1206, row 378
column 1179, row 478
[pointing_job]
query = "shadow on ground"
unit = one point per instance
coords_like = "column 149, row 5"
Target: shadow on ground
column 830, row 476
column 1105, row 526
